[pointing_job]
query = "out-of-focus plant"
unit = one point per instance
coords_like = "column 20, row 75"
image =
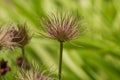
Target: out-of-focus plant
column 21, row 37
column 13, row 36
column 35, row 73
column 6, row 37
column 23, row 63
column 4, row 68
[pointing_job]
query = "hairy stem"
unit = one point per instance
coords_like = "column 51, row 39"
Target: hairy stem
column 60, row 60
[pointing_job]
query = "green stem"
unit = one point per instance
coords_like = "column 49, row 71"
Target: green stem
column 0, row 76
column 60, row 60
column 23, row 56
column 23, row 53
column 3, row 78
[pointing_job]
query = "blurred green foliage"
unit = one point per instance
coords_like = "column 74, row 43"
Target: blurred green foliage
column 98, row 58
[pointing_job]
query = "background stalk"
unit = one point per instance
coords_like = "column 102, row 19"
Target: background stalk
column 60, row 60
column 23, row 52
column 23, row 56
column 3, row 78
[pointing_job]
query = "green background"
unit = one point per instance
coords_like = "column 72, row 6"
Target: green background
column 95, row 55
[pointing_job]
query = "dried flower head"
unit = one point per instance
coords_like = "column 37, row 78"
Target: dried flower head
column 6, row 37
column 20, row 35
column 62, row 27
column 4, row 68
column 35, row 73
column 12, row 36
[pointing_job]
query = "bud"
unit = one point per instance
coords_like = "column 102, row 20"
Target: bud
column 21, row 64
column 4, row 68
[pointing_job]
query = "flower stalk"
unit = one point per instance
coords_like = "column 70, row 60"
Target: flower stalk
column 3, row 78
column 60, row 60
column 61, row 27
column 23, row 56
column 22, row 61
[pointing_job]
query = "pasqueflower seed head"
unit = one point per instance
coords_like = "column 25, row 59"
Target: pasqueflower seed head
column 13, row 36
column 21, row 36
column 35, row 73
column 6, row 36
column 61, row 27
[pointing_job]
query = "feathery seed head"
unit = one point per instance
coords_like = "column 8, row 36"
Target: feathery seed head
column 20, row 35
column 6, row 36
column 62, row 27
column 35, row 73
column 12, row 36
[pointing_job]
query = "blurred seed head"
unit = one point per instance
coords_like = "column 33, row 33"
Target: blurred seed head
column 4, row 68
column 61, row 26
column 20, row 35
column 6, row 37
column 13, row 36
column 35, row 73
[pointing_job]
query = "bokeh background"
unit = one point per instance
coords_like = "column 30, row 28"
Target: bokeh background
column 95, row 55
